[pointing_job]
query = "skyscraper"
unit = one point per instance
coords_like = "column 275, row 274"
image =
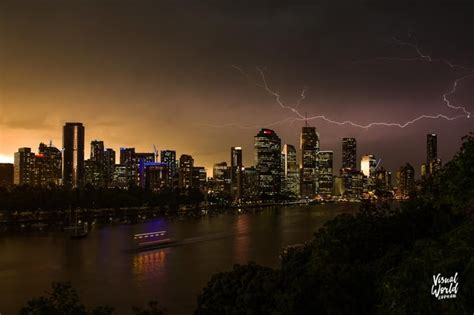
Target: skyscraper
column 221, row 177
column 405, row 181
column 291, row 170
column 169, row 158
column 325, row 173
column 433, row 164
column 267, row 149
column 236, row 172
column 24, row 167
column 73, row 155
column 349, row 153
column 109, row 165
column 97, row 151
column 431, row 148
column 309, row 144
column 129, row 160
column 186, row 165
column 94, row 168
column 368, row 165
column 53, row 158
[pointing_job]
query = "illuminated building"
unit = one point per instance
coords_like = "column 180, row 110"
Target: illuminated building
column 367, row 166
column 73, row 155
column 339, row 186
column 169, row 158
column 267, row 149
column 109, row 164
column 52, row 159
column 24, row 167
column 156, row 176
column 349, row 153
column 141, row 159
column 405, row 181
column 120, row 176
column 221, row 177
column 383, row 179
column 325, row 173
column 199, row 178
column 236, row 172
column 309, row 144
column 291, row 170
column 353, row 184
column 186, row 164
column 6, row 175
column 431, row 148
column 94, row 168
column 433, row 164
column 250, row 184
column 129, row 160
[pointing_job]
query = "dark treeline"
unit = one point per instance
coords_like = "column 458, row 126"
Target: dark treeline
column 378, row 261
column 27, row 198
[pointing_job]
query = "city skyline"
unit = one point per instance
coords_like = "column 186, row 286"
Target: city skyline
column 245, row 156
column 134, row 77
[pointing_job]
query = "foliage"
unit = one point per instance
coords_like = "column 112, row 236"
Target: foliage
column 63, row 300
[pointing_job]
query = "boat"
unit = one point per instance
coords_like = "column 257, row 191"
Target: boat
column 151, row 241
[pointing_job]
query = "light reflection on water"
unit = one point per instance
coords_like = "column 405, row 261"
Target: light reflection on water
column 105, row 273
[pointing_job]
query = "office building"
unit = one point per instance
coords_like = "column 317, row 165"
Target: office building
column 73, row 155
column 325, row 173
column 368, row 165
column 236, row 172
column 291, row 170
column 309, row 145
column 267, row 149
column 24, row 167
column 186, row 165
column 349, row 153
column 405, row 181
column 169, row 158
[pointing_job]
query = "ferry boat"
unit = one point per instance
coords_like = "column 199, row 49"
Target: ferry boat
column 152, row 240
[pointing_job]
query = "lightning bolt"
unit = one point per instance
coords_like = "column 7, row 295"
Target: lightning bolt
column 298, row 116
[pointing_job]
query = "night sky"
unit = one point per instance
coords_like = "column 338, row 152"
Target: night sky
column 139, row 73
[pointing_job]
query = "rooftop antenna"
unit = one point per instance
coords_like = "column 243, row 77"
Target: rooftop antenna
column 50, row 143
column 305, row 119
column 156, row 153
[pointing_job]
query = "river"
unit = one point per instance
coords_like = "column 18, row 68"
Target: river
column 103, row 272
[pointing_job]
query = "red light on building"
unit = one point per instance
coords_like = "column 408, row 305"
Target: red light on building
column 267, row 132
column 40, row 155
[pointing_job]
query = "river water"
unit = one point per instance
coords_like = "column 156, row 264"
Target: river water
column 103, row 272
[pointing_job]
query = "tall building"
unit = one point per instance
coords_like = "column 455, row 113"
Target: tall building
column 73, row 155
column 236, row 172
column 267, row 149
column 186, row 165
column 6, row 175
column 291, row 170
column 431, row 148
column 129, row 160
column 52, row 159
column 325, row 173
column 24, row 167
column 250, row 184
column 109, row 165
column 94, row 168
column 169, row 158
column 349, row 153
column 97, row 151
column 309, row 144
column 155, row 176
column 405, row 181
column 221, row 176
column 142, row 159
column 383, row 179
column 199, row 178
column 368, row 165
